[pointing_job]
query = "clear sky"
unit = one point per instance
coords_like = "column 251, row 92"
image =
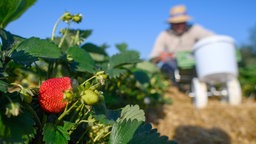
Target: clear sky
column 136, row 22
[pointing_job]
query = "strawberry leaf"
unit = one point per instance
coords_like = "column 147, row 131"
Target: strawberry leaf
column 146, row 135
column 123, row 131
column 81, row 60
column 28, row 51
column 115, row 72
column 122, row 47
column 148, row 66
column 132, row 113
column 10, row 10
column 127, row 57
column 92, row 48
column 56, row 134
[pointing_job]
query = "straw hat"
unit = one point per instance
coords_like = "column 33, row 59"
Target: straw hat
column 178, row 14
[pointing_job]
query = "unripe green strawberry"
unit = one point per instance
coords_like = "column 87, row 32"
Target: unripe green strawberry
column 77, row 18
column 51, row 94
column 90, row 97
column 68, row 95
column 66, row 17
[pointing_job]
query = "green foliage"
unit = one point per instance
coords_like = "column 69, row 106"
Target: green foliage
column 28, row 51
column 146, row 135
column 26, row 63
column 57, row 134
column 132, row 113
column 123, row 131
column 247, row 70
column 9, row 40
column 16, row 128
column 142, row 84
column 81, row 60
column 131, row 128
column 10, row 10
column 3, row 86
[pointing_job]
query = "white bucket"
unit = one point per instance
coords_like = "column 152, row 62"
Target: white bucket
column 215, row 58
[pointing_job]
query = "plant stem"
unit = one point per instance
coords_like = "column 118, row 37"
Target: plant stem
column 63, row 38
column 95, row 86
column 66, row 112
column 55, row 27
column 79, row 121
column 88, row 80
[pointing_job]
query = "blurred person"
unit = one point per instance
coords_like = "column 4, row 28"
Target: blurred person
column 180, row 36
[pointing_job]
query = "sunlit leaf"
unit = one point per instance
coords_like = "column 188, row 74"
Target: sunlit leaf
column 127, row 57
column 122, row 47
column 56, row 134
column 10, row 10
column 33, row 48
column 92, row 48
column 123, row 131
column 132, row 112
column 81, row 60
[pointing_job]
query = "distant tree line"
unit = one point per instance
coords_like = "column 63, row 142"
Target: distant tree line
column 247, row 66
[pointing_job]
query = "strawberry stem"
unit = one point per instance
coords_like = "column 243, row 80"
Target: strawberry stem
column 66, row 112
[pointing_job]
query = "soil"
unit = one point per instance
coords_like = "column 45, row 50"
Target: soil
column 218, row 123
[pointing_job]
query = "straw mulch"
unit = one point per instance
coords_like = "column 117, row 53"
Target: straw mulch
column 218, row 123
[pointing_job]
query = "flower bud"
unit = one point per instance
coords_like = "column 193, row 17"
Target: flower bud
column 77, row 18
column 66, row 17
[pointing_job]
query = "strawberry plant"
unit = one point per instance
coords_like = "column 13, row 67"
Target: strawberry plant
column 53, row 90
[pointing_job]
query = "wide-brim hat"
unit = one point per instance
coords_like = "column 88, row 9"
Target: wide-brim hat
column 178, row 14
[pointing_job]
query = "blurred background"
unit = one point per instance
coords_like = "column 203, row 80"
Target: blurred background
column 137, row 23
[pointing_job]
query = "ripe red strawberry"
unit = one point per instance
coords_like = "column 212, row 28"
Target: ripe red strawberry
column 51, row 94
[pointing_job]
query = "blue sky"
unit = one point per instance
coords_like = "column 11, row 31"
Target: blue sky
column 136, row 22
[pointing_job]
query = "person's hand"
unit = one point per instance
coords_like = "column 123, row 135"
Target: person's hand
column 165, row 56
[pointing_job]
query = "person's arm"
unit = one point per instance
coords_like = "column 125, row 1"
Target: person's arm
column 159, row 52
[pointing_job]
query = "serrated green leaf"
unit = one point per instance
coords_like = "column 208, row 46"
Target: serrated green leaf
column 132, row 112
column 127, row 57
column 82, row 61
column 123, row 131
column 115, row 72
column 22, row 57
column 122, row 47
column 9, row 40
column 67, row 125
column 49, row 133
column 33, row 48
column 10, row 10
column 92, row 48
column 146, row 135
column 62, row 133
column 147, row 66
column 42, row 48
column 55, row 134
column 17, row 129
